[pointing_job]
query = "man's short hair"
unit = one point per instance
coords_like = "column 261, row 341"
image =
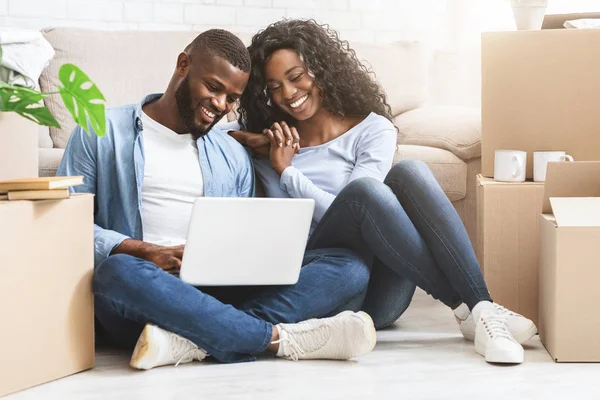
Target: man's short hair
column 221, row 43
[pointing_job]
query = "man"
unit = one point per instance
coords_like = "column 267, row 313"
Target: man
column 155, row 159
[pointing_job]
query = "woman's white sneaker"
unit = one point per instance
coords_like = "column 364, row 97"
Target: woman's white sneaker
column 521, row 328
column 342, row 337
column 494, row 341
column 157, row 347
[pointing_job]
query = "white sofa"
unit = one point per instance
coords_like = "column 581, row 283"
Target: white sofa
column 127, row 65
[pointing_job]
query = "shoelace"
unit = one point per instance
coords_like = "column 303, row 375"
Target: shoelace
column 496, row 326
column 178, row 349
column 300, row 343
column 505, row 310
column 186, row 355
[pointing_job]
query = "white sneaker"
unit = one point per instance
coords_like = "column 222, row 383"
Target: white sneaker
column 342, row 337
column 494, row 341
column 157, row 347
column 522, row 329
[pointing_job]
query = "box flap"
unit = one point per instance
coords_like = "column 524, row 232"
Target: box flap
column 571, row 179
column 483, row 181
column 557, row 21
column 576, row 211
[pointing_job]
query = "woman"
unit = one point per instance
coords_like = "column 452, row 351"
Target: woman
column 328, row 135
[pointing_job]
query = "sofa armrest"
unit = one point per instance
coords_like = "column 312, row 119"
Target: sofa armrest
column 44, row 140
column 453, row 128
column 49, row 159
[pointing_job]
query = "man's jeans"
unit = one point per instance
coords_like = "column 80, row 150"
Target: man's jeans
column 406, row 225
column 131, row 292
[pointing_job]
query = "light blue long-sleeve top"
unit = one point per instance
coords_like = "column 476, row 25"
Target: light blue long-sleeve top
column 321, row 172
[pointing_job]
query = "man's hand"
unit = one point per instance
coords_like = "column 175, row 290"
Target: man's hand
column 259, row 143
column 285, row 143
column 167, row 258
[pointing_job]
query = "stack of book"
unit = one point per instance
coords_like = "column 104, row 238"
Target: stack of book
column 56, row 187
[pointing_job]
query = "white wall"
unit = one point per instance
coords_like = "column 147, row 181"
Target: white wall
column 450, row 27
column 356, row 20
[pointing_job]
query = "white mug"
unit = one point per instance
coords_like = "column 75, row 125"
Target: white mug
column 510, row 165
column 541, row 160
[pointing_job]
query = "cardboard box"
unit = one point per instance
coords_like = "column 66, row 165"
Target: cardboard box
column 570, row 262
column 557, row 21
column 540, row 91
column 18, row 147
column 508, row 240
column 46, row 302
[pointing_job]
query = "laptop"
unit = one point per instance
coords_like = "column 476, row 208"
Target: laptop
column 246, row 241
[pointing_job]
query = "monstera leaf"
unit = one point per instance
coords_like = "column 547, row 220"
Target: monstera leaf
column 26, row 103
column 82, row 98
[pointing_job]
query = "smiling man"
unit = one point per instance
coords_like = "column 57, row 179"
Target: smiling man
column 156, row 158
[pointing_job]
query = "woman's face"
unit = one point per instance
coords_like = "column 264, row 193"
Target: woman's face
column 290, row 86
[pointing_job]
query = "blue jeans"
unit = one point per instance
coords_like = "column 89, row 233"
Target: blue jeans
column 409, row 228
column 130, row 292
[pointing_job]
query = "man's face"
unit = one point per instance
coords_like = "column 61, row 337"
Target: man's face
column 208, row 92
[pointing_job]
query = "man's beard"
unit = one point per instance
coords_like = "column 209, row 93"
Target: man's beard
column 183, row 97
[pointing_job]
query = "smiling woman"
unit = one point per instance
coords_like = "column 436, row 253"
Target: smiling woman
column 318, row 61
column 331, row 140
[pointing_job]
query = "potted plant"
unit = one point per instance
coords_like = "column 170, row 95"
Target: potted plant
column 80, row 95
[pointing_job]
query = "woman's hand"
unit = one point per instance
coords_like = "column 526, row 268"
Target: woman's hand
column 259, row 143
column 285, row 143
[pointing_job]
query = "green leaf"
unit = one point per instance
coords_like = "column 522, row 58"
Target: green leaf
column 27, row 103
column 82, row 98
column 0, row 53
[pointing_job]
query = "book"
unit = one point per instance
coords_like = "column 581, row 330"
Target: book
column 3, row 196
column 44, row 183
column 39, row 194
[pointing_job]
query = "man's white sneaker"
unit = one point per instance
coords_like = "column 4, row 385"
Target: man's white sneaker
column 494, row 341
column 156, row 347
column 522, row 329
column 342, row 337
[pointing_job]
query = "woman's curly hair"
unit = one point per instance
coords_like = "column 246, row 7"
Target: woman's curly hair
column 347, row 86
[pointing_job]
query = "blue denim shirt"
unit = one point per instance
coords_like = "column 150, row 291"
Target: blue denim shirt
column 113, row 170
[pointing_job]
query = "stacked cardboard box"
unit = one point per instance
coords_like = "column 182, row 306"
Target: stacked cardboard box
column 540, row 91
column 18, row 146
column 508, row 244
column 46, row 301
column 46, row 264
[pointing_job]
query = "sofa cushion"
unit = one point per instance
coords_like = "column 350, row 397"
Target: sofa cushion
column 401, row 68
column 453, row 128
column 449, row 170
column 49, row 159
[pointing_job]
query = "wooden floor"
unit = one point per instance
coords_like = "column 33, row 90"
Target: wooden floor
column 422, row 357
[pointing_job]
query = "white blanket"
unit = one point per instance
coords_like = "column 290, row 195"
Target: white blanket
column 25, row 54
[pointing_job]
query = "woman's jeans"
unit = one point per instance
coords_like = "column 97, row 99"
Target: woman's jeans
column 406, row 225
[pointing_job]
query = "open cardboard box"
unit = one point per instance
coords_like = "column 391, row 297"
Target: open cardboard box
column 570, row 262
column 541, row 91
